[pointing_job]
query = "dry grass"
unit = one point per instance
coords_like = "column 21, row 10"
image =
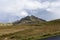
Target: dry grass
column 24, row 32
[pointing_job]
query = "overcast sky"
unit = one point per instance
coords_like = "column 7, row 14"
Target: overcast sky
column 12, row 10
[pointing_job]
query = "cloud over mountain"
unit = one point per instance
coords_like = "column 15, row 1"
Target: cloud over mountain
column 19, row 7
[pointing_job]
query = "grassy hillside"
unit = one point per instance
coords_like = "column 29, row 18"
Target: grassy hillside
column 30, row 32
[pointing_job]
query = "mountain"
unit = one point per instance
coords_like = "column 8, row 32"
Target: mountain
column 30, row 20
column 25, row 32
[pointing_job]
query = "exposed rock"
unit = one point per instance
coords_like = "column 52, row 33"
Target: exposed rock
column 30, row 20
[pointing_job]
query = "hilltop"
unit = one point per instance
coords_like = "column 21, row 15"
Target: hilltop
column 30, row 20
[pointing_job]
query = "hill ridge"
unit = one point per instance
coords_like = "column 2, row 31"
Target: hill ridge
column 30, row 19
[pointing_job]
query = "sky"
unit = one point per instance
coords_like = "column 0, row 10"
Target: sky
column 13, row 10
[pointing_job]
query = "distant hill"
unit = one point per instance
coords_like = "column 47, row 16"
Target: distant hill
column 54, row 22
column 30, row 20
